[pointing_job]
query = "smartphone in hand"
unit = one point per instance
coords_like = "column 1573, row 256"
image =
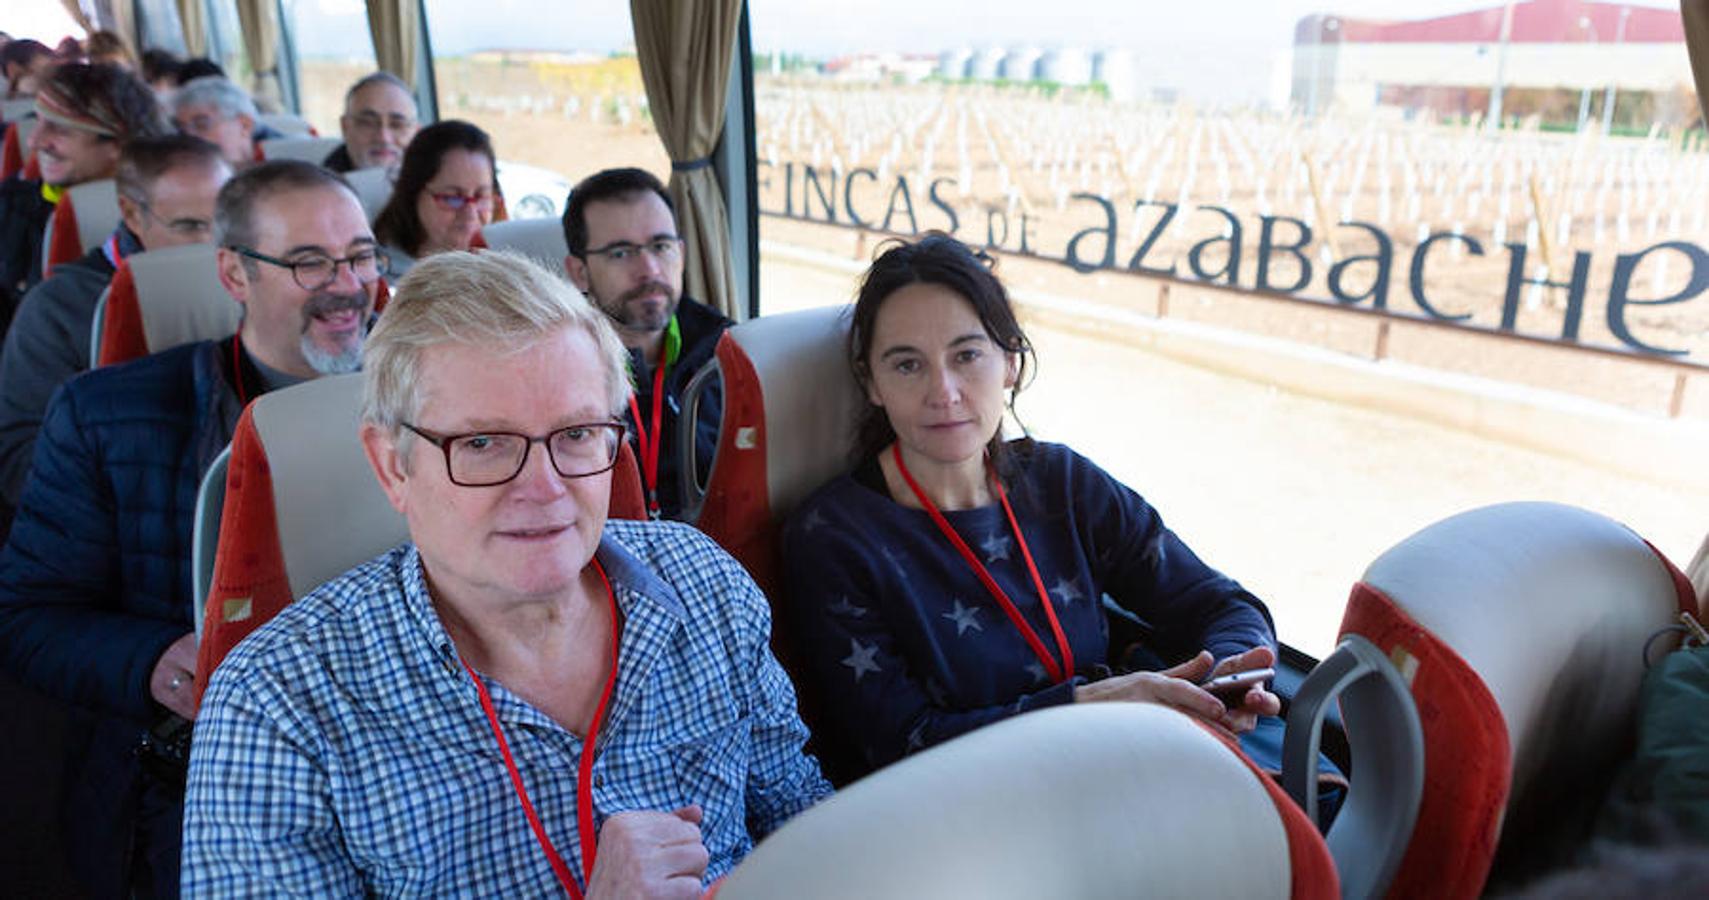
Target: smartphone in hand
column 1231, row 689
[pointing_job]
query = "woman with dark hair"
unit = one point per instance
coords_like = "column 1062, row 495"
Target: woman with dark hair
column 955, row 578
column 446, row 190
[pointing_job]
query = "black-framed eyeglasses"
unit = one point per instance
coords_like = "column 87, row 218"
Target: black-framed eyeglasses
column 317, row 270
column 659, row 248
column 488, row 458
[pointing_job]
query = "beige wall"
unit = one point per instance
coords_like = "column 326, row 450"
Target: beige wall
column 1352, row 72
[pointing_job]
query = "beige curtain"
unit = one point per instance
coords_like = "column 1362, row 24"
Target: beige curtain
column 124, row 25
column 192, row 16
column 1696, row 15
column 259, row 20
column 685, row 48
column 75, row 9
column 395, row 26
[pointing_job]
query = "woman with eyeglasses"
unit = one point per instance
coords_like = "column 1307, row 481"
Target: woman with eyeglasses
column 955, row 578
column 446, row 192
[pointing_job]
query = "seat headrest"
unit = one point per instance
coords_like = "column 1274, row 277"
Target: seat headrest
column 330, row 510
column 17, row 109
column 287, row 124
column 97, row 205
column 540, row 239
column 811, row 398
column 373, row 188
column 180, row 298
column 309, row 149
column 1548, row 604
column 1092, row 800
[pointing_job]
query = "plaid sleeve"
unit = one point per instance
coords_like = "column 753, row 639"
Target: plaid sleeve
column 258, row 816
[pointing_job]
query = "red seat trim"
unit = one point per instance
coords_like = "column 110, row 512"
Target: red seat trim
column 66, row 246
column 1468, row 768
column 122, row 337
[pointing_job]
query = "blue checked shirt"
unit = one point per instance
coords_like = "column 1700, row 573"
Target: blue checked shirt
column 341, row 749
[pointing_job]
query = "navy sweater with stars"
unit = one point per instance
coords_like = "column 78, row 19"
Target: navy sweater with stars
column 907, row 647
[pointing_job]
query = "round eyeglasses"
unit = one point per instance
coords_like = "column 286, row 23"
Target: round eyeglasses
column 317, row 270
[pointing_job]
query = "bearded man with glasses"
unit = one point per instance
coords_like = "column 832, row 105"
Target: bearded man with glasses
column 524, row 699
column 627, row 257
column 95, row 578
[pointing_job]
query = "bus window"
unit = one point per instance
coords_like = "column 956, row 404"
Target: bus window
column 333, row 51
column 1308, row 282
column 560, row 94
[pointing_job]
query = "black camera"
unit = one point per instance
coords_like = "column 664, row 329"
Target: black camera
column 165, row 750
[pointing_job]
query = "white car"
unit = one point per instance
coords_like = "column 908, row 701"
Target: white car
column 531, row 192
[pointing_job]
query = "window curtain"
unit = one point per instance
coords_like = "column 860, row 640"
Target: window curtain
column 395, row 26
column 75, row 9
column 1696, row 15
column 685, row 47
column 193, row 17
column 124, row 25
column 259, row 20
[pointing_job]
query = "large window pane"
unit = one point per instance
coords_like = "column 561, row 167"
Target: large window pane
column 333, row 50
column 1168, row 198
column 560, row 92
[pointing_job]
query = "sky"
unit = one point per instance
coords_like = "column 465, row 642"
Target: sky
column 1212, row 49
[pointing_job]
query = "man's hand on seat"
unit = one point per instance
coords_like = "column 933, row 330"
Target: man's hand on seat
column 171, row 684
column 643, row 853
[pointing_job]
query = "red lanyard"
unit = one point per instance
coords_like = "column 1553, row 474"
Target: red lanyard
column 1058, row 672
column 584, row 770
column 649, row 441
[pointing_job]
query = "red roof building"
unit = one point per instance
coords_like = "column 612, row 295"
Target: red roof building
column 1450, row 63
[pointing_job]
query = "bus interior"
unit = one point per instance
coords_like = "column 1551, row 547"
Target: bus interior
column 1394, row 313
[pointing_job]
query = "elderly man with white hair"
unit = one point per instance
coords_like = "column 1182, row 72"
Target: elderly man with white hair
column 223, row 114
column 524, row 698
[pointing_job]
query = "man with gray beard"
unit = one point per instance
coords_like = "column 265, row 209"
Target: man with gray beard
column 95, row 577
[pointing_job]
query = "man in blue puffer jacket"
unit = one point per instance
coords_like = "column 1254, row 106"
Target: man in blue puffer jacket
column 95, row 578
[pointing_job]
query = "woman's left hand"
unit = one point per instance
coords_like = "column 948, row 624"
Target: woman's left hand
column 1243, row 716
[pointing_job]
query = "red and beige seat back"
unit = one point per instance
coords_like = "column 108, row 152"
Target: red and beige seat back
column 1109, row 800
column 539, row 239
column 1520, row 629
column 307, row 149
column 300, row 506
column 161, row 299
column 790, row 404
column 82, row 219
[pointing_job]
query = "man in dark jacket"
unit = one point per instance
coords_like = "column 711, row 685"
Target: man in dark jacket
column 166, row 188
column 95, row 578
column 627, row 257
column 378, row 123
column 86, row 112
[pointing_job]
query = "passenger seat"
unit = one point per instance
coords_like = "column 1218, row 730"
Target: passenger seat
column 81, row 220
column 308, row 149
column 1520, row 631
column 539, row 239
column 1092, row 800
column 158, row 300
